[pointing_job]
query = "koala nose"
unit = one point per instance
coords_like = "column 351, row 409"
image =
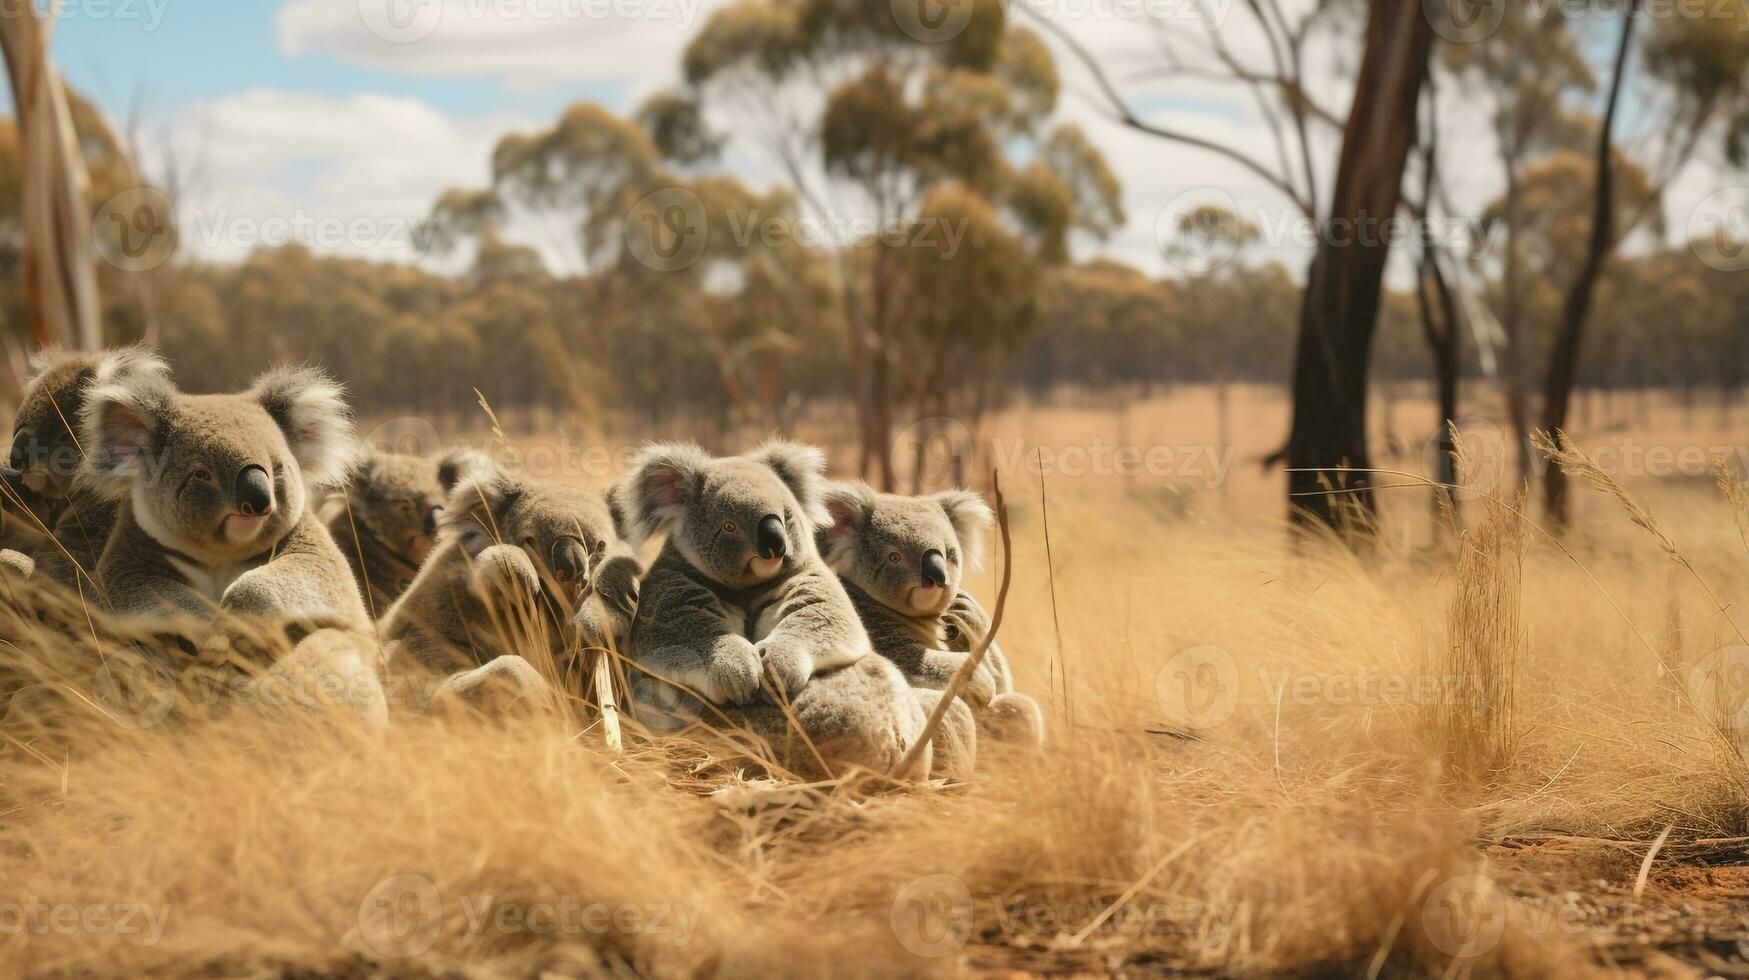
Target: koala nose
column 570, row 561
column 432, row 516
column 254, row 492
column 19, row 457
column 773, row 543
column 934, row 569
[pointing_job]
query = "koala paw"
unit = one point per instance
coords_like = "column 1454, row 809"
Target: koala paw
column 788, row 666
column 502, row 573
column 730, row 675
column 980, row 688
column 616, row 584
column 597, row 623
column 250, row 595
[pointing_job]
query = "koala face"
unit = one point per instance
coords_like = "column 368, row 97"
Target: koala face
column 220, row 478
column 909, row 553
column 565, row 530
column 742, row 521
column 45, row 449
column 399, row 499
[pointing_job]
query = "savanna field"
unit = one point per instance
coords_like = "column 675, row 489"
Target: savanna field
column 1492, row 754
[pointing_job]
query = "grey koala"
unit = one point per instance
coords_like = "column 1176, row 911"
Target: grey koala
column 46, row 458
column 214, row 526
column 739, row 610
column 385, row 518
column 213, row 493
column 902, row 560
column 514, row 557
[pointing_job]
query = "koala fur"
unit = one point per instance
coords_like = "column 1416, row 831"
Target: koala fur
column 385, row 519
column 902, row 560
column 513, row 556
column 46, row 455
column 738, row 610
column 213, row 492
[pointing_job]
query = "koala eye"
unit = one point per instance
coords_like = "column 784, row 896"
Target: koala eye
column 202, row 474
column 953, row 555
column 893, row 558
column 731, row 526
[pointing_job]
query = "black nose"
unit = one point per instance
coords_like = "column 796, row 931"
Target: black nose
column 432, row 516
column 773, row 543
column 934, row 569
column 570, row 561
column 254, row 492
column 19, row 457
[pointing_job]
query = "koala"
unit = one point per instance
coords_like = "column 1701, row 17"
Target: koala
column 739, row 616
column 213, row 525
column 520, row 563
column 902, row 560
column 46, row 458
column 213, row 492
column 385, row 519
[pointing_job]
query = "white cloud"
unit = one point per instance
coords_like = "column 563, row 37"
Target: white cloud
column 344, row 175
column 524, row 44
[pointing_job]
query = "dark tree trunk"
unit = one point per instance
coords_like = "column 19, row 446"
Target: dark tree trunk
column 1341, row 303
column 1564, row 363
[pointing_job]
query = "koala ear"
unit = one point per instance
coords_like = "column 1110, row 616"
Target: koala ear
column 847, row 507
column 45, row 357
column 310, row 408
column 481, row 500
column 802, row 468
column 970, row 517
column 458, row 465
column 138, row 360
column 120, row 426
column 656, row 490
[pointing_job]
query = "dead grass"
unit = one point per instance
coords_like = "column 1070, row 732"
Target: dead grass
column 1344, row 799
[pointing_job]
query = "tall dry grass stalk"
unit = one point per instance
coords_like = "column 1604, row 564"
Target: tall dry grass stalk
column 1484, row 642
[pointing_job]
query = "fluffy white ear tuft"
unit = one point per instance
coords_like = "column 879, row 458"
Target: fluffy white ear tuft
column 970, row 518
column 656, row 489
column 802, row 468
column 43, row 358
column 310, row 408
column 137, row 360
column 847, row 507
column 121, row 426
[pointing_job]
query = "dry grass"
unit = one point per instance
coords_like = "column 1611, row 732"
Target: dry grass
column 1378, row 733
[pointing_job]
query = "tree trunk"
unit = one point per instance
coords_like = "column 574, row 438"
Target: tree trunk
column 1564, row 363
column 60, row 273
column 1341, row 302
